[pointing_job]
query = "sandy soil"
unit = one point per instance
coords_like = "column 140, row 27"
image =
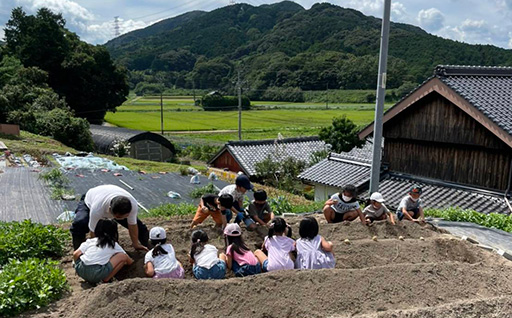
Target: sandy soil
column 435, row 276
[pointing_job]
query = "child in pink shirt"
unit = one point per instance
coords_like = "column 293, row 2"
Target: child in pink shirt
column 239, row 257
column 278, row 244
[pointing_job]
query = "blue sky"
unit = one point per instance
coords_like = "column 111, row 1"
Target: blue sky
column 471, row 21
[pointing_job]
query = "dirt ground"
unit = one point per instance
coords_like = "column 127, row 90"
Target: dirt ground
column 427, row 274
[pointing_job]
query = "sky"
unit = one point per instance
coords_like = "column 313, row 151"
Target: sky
column 470, row 21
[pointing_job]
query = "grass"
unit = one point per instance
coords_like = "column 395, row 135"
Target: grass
column 266, row 119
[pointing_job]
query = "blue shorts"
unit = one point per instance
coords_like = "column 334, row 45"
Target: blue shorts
column 245, row 270
column 217, row 271
column 264, row 268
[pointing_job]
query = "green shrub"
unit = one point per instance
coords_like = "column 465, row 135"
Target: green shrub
column 284, row 94
column 492, row 220
column 29, row 284
column 22, row 240
column 219, row 102
column 143, row 88
column 170, row 209
column 54, row 177
column 200, row 152
column 198, row 192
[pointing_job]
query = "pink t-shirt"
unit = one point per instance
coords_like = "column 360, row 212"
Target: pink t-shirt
column 247, row 258
column 279, row 248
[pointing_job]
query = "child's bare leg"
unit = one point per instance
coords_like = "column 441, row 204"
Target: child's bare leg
column 223, row 257
column 382, row 217
column 260, row 256
column 350, row 216
column 117, row 261
column 329, row 213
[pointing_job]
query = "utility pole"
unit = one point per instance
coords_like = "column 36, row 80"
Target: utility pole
column 162, row 112
column 381, row 94
column 239, row 88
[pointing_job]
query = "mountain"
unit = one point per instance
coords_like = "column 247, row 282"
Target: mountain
column 284, row 45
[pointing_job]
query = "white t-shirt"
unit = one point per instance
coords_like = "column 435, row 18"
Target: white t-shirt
column 231, row 189
column 279, row 248
column 409, row 204
column 98, row 201
column 371, row 211
column 311, row 256
column 342, row 206
column 163, row 263
column 207, row 258
column 95, row 255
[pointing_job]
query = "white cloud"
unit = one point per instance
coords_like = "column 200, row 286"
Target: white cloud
column 100, row 33
column 71, row 10
column 431, row 19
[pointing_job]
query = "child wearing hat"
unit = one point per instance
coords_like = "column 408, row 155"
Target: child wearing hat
column 240, row 258
column 161, row 262
column 410, row 207
column 376, row 210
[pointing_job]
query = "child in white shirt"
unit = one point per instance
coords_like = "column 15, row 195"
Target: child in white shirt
column 161, row 261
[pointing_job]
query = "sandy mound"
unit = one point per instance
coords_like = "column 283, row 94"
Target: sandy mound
column 437, row 276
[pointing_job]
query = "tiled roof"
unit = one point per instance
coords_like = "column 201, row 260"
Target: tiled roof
column 489, row 89
column 438, row 194
column 338, row 170
column 248, row 153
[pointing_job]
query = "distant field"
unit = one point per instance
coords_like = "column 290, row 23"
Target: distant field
column 281, row 119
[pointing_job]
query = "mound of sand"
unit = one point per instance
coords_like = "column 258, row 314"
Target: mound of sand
column 437, row 276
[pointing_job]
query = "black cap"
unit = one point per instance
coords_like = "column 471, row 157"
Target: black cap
column 243, row 181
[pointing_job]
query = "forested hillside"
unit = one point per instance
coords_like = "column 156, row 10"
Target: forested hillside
column 285, row 46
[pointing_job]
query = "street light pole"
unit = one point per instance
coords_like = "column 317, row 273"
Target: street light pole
column 381, row 95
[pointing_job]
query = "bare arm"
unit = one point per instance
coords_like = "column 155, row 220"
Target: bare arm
column 149, row 269
column 257, row 219
column 326, row 245
column 391, row 218
column 229, row 261
column 361, row 216
column 133, row 230
column 77, row 254
column 422, row 214
column 406, row 214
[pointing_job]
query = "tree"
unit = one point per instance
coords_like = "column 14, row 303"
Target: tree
column 342, row 135
column 281, row 173
column 81, row 73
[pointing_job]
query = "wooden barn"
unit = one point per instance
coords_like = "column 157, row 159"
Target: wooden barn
column 242, row 156
column 144, row 145
column 453, row 132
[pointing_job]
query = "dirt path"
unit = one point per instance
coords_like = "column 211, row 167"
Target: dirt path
column 428, row 274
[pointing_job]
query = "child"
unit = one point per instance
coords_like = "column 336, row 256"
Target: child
column 161, row 262
column 237, row 191
column 214, row 206
column 410, row 207
column 204, row 258
column 279, row 247
column 313, row 251
column 239, row 256
column 259, row 209
column 376, row 210
column 100, row 258
column 343, row 207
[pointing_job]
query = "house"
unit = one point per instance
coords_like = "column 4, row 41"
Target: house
column 144, row 145
column 243, row 155
column 452, row 135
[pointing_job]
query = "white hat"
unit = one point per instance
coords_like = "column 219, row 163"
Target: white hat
column 376, row 196
column 157, row 233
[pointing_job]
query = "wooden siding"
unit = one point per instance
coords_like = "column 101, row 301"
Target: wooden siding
column 226, row 160
column 149, row 150
column 436, row 139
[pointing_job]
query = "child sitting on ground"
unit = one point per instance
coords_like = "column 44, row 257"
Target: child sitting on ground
column 343, row 206
column 237, row 191
column 161, row 262
column 239, row 257
column 376, row 210
column 214, row 206
column 279, row 245
column 259, row 209
column 98, row 259
column 204, row 258
column 313, row 251
column 410, row 207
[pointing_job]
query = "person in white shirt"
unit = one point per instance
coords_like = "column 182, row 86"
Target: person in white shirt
column 108, row 201
column 207, row 263
column 161, row 261
column 100, row 258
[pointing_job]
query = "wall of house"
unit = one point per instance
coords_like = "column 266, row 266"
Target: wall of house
column 149, row 150
column 226, row 160
column 436, row 139
column 324, row 192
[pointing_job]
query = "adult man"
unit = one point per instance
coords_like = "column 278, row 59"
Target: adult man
column 108, row 201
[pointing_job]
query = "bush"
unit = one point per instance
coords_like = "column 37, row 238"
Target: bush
column 200, row 152
column 284, row 94
column 198, row 192
column 143, row 88
column 492, row 220
column 29, row 284
column 282, row 205
column 219, row 102
column 170, row 209
column 22, row 240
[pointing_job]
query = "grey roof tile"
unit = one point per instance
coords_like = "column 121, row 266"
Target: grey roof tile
column 489, row 89
column 248, row 153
